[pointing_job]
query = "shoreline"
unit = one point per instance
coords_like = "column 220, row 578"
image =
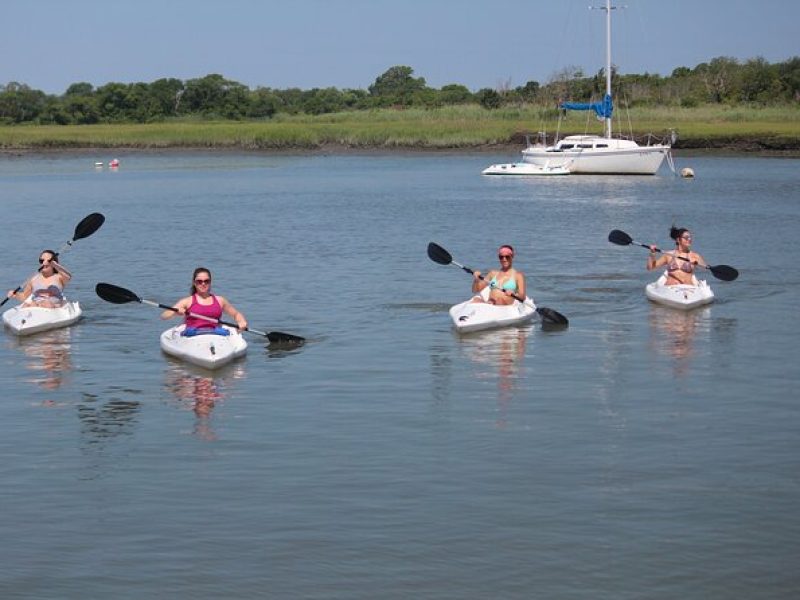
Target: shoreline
column 741, row 148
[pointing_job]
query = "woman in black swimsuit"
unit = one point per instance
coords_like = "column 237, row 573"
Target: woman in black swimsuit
column 681, row 262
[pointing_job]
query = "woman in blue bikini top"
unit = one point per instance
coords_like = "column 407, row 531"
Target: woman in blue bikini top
column 681, row 262
column 506, row 282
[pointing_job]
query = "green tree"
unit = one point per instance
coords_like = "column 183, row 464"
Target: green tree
column 213, row 95
column 20, row 103
column 759, row 81
column 529, row 91
column 81, row 110
column 789, row 76
column 80, row 89
column 397, row 85
column 455, row 94
column 263, row 104
column 489, row 98
column 719, row 78
column 165, row 96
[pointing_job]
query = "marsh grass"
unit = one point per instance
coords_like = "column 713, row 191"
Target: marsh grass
column 449, row 127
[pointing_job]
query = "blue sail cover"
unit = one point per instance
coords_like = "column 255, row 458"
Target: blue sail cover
column 603, row 109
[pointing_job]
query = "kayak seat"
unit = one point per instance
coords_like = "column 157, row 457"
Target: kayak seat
column 192, row 331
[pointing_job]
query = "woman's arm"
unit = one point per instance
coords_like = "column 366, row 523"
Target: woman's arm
column 697, row 259
column 182, row 305
column 521, row 291
column 241, row 322
column 63, row 273
column 477, row 283
column 654, row 261
column 23, row 293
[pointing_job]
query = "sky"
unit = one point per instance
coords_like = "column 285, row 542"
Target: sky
column 50, row 44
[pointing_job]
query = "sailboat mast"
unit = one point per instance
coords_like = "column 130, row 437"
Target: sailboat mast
column 608, row 61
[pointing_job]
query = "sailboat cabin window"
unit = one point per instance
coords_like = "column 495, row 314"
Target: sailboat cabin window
column 567, row 146
column 601, row 146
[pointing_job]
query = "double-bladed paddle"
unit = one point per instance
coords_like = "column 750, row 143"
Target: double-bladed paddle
column 119, row 295
column 723, row 272
column 84, row 229
column 439, row 255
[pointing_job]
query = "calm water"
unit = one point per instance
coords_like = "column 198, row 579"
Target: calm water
column 642, row 453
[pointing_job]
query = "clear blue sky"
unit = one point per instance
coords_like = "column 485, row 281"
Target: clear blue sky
column 49, row 44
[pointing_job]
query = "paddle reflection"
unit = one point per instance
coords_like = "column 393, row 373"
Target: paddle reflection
column 48, row 355
column 673, row 334
column 201, row 391
column 498, row 354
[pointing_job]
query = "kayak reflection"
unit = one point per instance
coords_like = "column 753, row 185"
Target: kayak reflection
column 48, row 356
column 674, row 332
column 199, row 391
column 499, row 354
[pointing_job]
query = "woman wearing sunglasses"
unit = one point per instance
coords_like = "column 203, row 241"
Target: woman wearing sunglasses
column 203, row 302
column 505, row 282
column 46, row 288
column 680, row 263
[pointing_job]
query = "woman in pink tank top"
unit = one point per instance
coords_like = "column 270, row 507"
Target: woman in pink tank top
column 202, row 303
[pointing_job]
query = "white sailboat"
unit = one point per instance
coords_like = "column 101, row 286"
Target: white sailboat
column 599, row 155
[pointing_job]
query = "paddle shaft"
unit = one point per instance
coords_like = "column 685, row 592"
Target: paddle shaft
column 204, row 317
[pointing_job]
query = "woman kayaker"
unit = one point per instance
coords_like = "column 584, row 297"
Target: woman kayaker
column 681, row 262
column 46, row 288
column 505, row 282
column 203, row 302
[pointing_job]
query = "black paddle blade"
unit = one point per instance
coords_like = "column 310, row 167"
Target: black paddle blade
column 88, row 226
column 438, row 254
column 552, row 317
column 724, row 272
column 278, row 337
column 620, row 238
column 115, row 294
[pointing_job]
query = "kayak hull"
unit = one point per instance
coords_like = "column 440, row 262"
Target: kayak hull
column 682, row 297
column 208, row 350
column 27, row 320
column 472, row 316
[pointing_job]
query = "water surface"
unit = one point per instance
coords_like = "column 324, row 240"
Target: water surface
column 642, row 453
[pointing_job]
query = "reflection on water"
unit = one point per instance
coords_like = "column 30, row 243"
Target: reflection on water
column 498, row 354
column 200, row 391
column 49, row 361
column 674, row 333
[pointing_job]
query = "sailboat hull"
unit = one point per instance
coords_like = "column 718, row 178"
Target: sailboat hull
column 622, row 157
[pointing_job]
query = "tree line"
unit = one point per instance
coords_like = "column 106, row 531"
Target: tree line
column 723, row 80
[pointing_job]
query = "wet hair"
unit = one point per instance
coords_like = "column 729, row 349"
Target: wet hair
column 197, row 272
column 52, row 253
column 676, row 232
column 509, row 246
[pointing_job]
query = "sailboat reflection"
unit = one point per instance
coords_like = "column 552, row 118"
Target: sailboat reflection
column 674, row 332
column 498, row 354
column 200, row 391
column 49, row 357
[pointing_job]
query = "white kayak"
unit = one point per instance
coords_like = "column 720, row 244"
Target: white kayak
column 209, row 350
column 25, row 320
column 682, row 296
column 524, row 169
column 478, row 316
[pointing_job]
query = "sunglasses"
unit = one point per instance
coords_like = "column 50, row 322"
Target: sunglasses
column 202, row 281
column 43, row 260
column 688, row 238
column 502, row 256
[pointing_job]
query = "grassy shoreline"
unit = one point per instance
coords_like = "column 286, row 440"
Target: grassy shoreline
column 449, row 128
